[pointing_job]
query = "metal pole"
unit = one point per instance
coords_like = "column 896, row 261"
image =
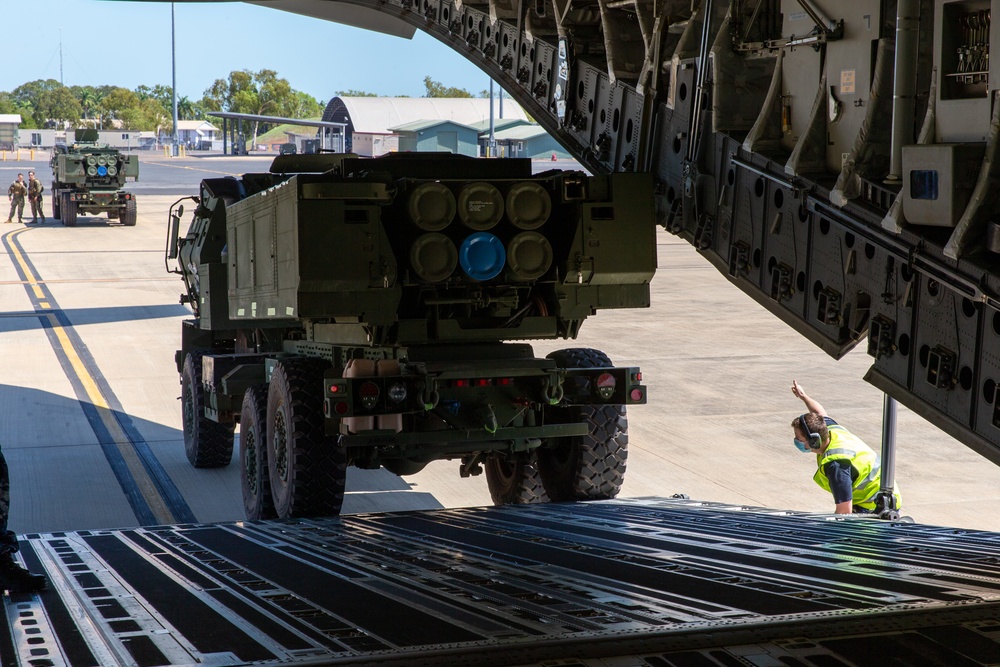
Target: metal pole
column 885, row 500
column 904, row 84
column 493, row 140
column 173, row 65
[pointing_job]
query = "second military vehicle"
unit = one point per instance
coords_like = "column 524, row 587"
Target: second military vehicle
column 88, row 178
column 373, row 312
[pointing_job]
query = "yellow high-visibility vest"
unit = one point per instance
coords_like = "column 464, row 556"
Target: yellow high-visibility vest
column 846, row 446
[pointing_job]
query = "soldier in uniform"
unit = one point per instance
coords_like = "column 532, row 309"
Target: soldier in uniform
column 13, row 577
column 16, row 193
column 35, row 189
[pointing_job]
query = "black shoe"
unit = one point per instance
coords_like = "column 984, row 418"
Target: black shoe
column 16, row 579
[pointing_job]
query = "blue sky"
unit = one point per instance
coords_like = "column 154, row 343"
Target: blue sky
column 128, row 44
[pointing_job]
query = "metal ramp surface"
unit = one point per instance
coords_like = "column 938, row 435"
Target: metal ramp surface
column 667, row 582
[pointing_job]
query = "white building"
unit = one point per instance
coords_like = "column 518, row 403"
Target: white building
column 9, row 124
column 368, row 119
column 193, row 133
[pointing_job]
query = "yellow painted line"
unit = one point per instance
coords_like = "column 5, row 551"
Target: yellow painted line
column 142, row 480
column 81, row 281
column 207, row 171
column 24, row 266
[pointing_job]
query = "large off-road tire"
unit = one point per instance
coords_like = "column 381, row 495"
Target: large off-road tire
column 307, row 468
column 514, row 480
column 257, row 501
column 128, row 215
column 68, row 211
column 591, row 466
column 208, row 444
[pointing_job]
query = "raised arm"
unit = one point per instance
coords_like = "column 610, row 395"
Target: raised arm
column 812, row 405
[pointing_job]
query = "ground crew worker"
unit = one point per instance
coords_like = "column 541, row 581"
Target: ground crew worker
column 16, row 193
column 13, row 577
column 35, row 189
column 846, row 466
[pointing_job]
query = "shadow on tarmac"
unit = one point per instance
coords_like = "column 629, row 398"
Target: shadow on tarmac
column 51, row 471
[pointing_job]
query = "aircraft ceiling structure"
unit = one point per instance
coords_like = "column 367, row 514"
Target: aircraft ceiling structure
column 778, row 150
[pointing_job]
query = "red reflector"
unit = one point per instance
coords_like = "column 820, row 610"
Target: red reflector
column 340, row 407
column 503, row 382
column 460, row 383
column 636, row 395
column 482, row 383
column 368, row 390
column 606, row 380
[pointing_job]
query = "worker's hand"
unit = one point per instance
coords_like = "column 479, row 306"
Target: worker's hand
column 798, row 391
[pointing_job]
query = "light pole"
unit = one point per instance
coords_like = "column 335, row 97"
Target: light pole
column 173, row 67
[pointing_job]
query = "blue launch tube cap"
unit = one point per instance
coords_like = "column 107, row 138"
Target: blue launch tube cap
column 482, row 256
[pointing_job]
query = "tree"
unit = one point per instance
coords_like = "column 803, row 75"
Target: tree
column 435, row 89
column 354, row 93
column 47, row 100
column 261, row 93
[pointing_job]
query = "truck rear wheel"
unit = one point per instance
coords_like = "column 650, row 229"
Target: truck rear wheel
column 208, row 444
column 590, row 466
column 128, row 215
column 56, row 210
column 307, row 468
column 257, row 501
column 514, row 480
column 68, row 210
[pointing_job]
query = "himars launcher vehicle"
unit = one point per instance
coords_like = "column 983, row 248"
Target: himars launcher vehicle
column 838, row 161
column 376, row 312
column 88, row 178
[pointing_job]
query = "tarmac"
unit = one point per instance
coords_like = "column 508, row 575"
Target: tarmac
column 90, row 319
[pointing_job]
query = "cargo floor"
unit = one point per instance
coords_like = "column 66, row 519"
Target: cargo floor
column 669, row 582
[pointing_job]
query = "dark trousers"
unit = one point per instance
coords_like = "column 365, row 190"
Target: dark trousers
column 36, row 208
column 8, row 540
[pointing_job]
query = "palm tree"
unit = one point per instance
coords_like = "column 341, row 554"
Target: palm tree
column 185, row 108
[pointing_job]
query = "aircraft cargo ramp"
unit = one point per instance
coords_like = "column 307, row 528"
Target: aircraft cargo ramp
column 668, row 582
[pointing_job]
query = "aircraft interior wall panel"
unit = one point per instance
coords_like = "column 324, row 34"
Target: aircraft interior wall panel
column 582, row 123
column 987, row 410
column 721, row 241
column 603, row 102
column 848, row 75
column 800, row 80
column 543, row 69
column 785, row 248
column 891, row 327
column 446, row 14
column 945, row 340
column 473, row 27
column 747, row 224
column 963, row 108
column 630, row 122
column 668, row 165
column 430, row 9
column 507, row 47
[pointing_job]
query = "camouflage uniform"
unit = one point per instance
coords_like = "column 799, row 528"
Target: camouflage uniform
column 16, row 194
column 13, row 577
column 8, row 541
column 35, row 189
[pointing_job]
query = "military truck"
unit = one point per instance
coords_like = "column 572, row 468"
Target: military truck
column 89, row 179
column 374, row 313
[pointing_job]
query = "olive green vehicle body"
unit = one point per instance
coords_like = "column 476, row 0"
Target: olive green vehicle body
column 88, row 178
column 369, row 267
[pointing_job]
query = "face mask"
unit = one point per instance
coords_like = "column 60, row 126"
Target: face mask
column 803, row 447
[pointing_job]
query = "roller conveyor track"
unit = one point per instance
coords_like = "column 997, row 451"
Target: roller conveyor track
column 670, row 582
